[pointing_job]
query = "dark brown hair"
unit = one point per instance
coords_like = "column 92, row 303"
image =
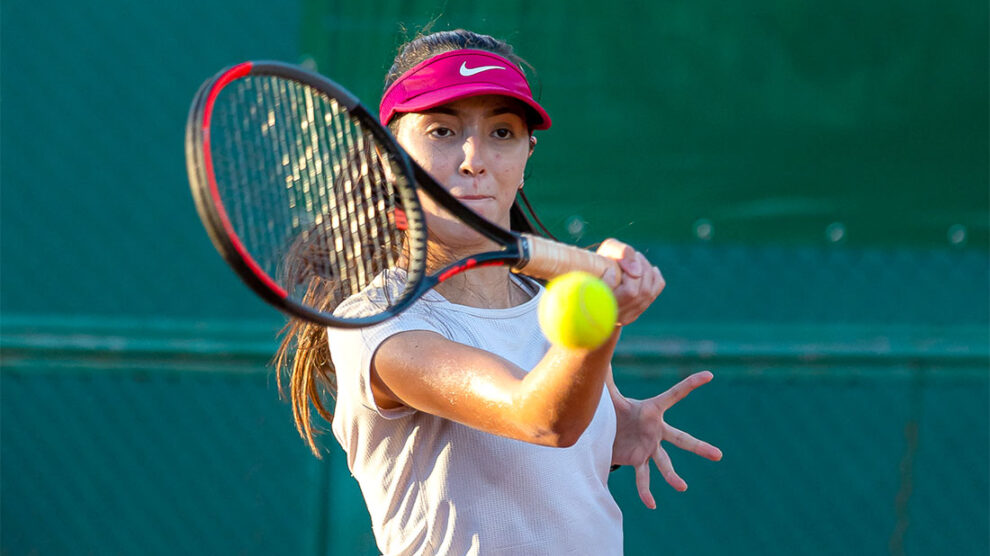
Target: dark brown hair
column 304, row 354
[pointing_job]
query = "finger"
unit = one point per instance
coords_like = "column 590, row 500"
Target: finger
column 634, row 263
column 629, row 313
column 688, row 443
column 650, row 286
column 629, row 298
column 614, row 249
column 666, row 468
column 623, row 254
column 683, row 388
column 643, row 485
column 658, row 282
column 611, row 277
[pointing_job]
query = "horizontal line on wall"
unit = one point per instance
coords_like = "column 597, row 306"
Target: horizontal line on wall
column 97, row 342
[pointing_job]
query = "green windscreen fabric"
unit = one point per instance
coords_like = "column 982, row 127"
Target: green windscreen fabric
column 811, row 178
column 156, row 454
column 810, row 123
column 845, row 124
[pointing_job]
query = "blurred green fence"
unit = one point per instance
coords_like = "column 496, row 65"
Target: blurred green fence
column 124, row 438
column 811, row 178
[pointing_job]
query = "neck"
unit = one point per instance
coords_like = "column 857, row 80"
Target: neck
column 486, row 287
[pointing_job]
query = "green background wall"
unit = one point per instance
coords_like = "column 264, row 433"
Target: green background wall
column 812, row 178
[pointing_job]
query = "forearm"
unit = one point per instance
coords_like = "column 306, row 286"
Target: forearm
column 561, row 394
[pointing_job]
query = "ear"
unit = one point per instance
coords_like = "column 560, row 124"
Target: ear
column 532, row 144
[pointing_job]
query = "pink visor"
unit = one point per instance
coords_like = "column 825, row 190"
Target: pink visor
column 455, row 75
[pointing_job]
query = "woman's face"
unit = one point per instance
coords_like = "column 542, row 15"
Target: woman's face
column 477, row 149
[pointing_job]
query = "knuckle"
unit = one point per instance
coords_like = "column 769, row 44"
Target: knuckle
column 613, row 249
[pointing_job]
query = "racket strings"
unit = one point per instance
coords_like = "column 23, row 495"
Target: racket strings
column 306, row 190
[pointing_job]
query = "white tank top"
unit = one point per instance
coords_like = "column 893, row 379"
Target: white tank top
column 434, row 486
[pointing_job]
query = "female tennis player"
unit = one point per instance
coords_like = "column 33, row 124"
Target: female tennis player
column 467, row 431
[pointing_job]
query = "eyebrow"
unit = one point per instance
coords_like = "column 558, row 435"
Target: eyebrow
column 439, row 110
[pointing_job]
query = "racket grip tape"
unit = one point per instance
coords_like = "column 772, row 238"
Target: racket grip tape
column 549, row 259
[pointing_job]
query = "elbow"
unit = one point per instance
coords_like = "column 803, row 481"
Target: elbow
column 569, row 431
column 557, row 424
column 562, row 433
column 566, row 440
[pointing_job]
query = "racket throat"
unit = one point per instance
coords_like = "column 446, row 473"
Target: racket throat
column 468, row 264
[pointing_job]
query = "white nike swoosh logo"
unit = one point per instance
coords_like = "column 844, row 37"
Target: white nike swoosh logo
column 468, row 72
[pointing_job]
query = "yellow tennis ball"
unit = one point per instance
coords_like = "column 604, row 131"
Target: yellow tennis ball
column 577, row 310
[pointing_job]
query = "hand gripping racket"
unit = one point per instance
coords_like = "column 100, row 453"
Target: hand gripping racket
column 310, row 199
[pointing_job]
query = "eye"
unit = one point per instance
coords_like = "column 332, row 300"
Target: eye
column 502, row 133
column 441, row 132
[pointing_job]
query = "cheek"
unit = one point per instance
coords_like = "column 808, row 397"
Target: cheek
column 436, row 161
column 414, row 145
column 510, row 168
column 416, row 151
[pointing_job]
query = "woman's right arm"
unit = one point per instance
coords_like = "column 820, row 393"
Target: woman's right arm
column 551, row 405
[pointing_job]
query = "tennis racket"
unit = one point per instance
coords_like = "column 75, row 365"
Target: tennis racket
column 310, row 199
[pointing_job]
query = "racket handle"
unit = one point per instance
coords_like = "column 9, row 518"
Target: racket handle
column 549, row 259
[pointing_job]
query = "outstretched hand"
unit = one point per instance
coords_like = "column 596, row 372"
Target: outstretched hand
column 641, row 429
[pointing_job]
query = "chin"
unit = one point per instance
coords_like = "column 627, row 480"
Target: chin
column 487, row 209
column 460, row 237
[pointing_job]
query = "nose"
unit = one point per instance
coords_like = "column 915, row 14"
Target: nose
column 473, row 163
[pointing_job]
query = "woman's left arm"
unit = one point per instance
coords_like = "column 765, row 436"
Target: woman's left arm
column 640, row 429
column 640, row 423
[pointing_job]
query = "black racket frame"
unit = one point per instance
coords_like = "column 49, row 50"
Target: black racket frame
column 513, row 248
